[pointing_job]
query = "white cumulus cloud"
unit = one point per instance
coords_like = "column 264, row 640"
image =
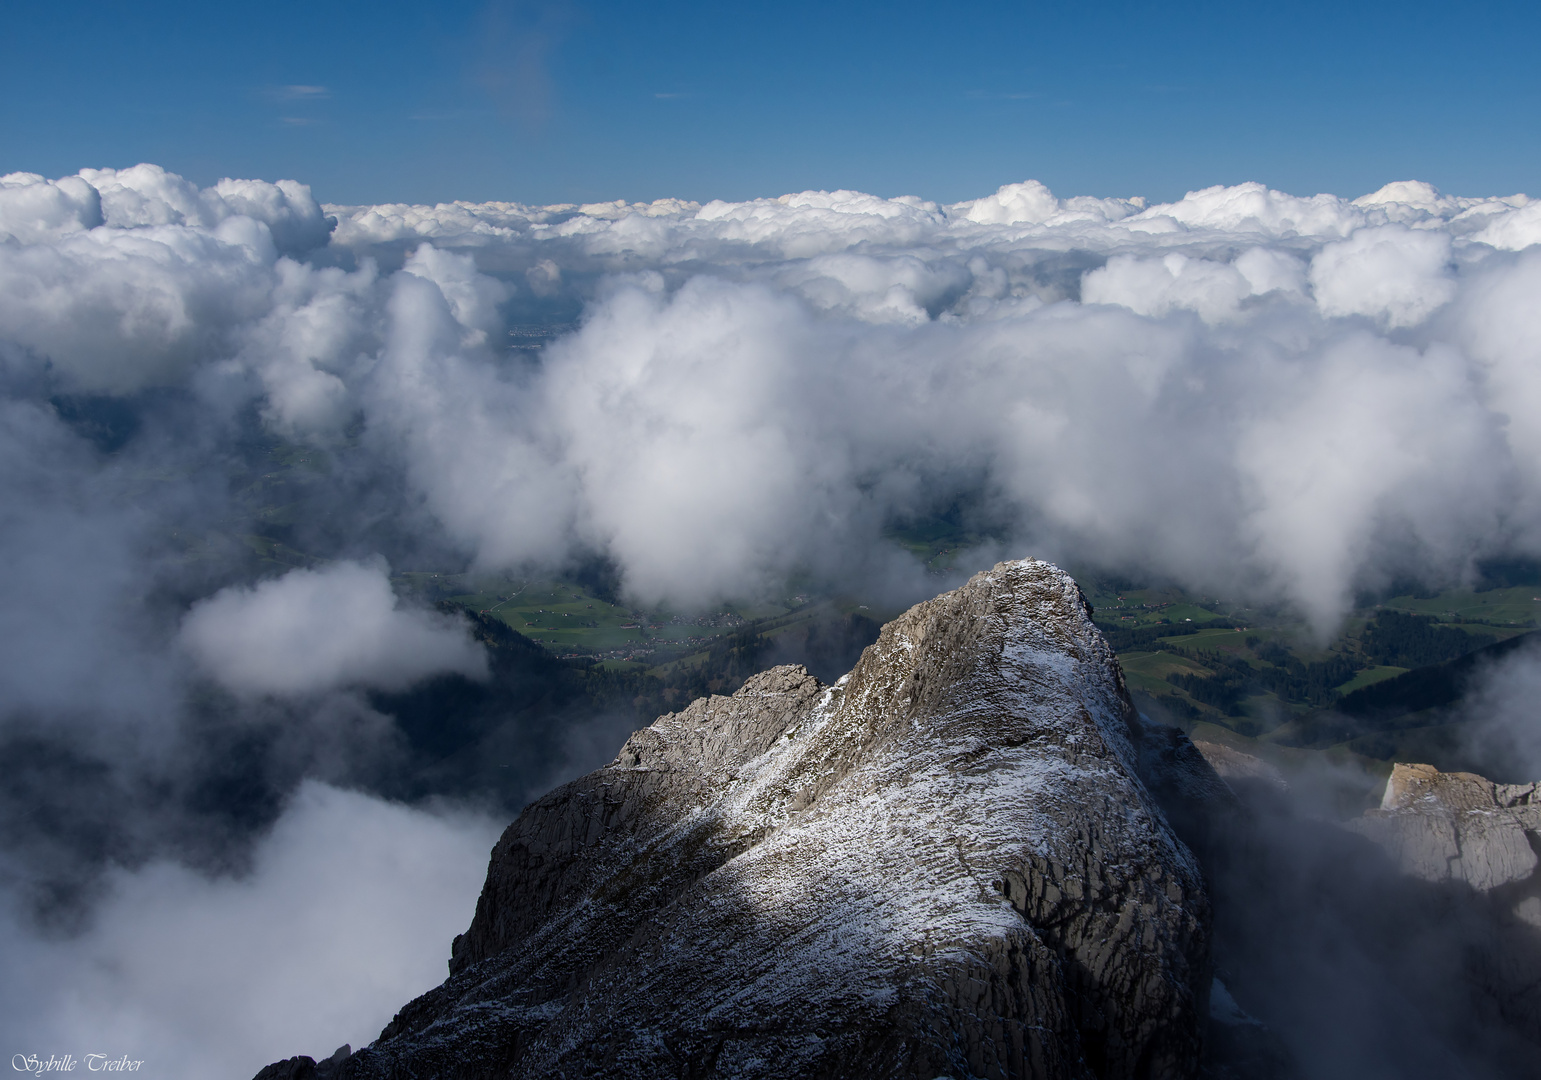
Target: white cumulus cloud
column 1398, row 275
column 346, row 913
column 317, row 630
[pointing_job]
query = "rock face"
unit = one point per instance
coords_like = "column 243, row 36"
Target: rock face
column 946, row 864
column 1461, row 827
column 1479, row 841
column 1233, row 765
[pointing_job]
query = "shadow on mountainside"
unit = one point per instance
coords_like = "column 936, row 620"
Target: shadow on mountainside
column 1357, row 969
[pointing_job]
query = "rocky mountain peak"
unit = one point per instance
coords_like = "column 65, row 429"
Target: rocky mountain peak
column 945, row 864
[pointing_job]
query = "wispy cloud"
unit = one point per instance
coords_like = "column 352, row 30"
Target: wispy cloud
column 670, row 96
column 1003, row 95
column 518, row 39
column 299, row 92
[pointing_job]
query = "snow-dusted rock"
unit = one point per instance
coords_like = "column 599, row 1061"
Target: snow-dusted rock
column 943, row 865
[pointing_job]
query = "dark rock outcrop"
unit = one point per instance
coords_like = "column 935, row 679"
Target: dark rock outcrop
column 305, row 1067
column 946, row 864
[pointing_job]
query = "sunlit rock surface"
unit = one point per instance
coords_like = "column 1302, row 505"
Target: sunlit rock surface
column 1479, row 840
column 944, row 865
column 1457, row 826
column 1233, row 765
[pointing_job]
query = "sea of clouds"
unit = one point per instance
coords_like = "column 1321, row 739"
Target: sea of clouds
column 1278, row 398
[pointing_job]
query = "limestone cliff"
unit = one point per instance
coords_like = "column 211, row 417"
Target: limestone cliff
column 1479, row 840
column 946, row 864
column 1457, row 826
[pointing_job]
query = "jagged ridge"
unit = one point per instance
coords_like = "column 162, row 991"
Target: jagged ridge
column 945, row 864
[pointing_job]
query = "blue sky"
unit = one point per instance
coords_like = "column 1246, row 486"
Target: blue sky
column 546, row 102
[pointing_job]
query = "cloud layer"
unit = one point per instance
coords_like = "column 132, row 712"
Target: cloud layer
column 1240, row 387
column 1244, row 389
column 1285, row 398
column 347, row 912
